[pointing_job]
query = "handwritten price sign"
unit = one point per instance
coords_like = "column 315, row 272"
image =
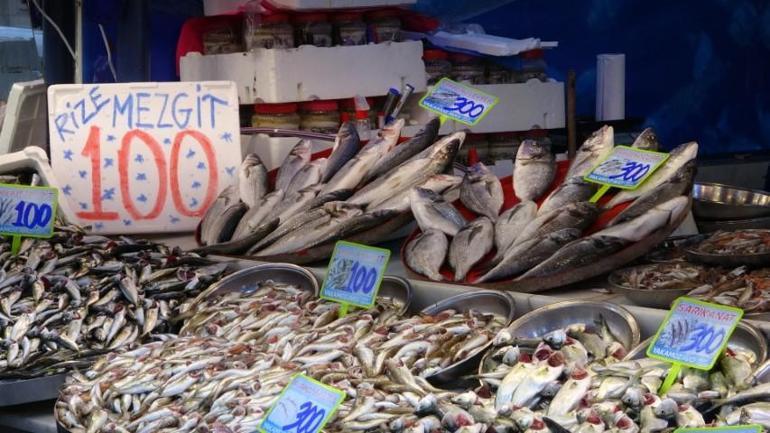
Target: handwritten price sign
column 626, row 167
column 459, row 102
column 143, row 157
column 304, row 406
column 355, row 273
column 694, row 333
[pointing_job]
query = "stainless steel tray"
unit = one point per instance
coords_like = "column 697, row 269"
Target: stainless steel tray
column 715, row 201
column 657, row 298
column 22, row 391
column 398, row 289
column 488, row 301
column 246, row 279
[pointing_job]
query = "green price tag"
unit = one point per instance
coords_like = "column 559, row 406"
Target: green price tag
column 355, row 274
column 450, row 99
column 304, row 406
column 27, row 211
column 694, row 333
column 626, row 168
column 748, row 428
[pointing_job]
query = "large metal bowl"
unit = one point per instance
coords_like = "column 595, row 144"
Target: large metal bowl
column 487, row 301
column 708, row 226
column 247, row 280
column 715, row 201
column 397, row 289
column 745, row 337
column 657, row 298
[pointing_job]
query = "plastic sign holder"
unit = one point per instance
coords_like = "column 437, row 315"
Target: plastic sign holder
column 354, row 276
column 693, row 334
column 28, row 211
column 452, row 100
column 304, row 406
column 626, row 168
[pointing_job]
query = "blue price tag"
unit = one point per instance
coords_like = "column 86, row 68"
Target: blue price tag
column 304, row 406
column 694, row 333
column 459, row 102
column 27, row 210
column 626, row 167
column 355, row 273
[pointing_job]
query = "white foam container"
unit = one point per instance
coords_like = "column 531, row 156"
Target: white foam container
column 26, row 119
column 310, row 72
column 522, row 106
column 219, row 7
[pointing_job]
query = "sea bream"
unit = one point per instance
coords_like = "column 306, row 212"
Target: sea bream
column 678, row 157
column 481, row 191
column 355, row 170
column 426, row 253
column 534, row 170
column 646, row 140
column 346, row 145
column 297, row 158
column 510, row 223
column 411, row 173
column 470, row 245
column 431, row 211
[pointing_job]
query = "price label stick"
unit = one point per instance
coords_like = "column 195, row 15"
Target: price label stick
column 26, row 211
column 354, row 276
column 452, row 100
column 304, row 406
column 626, row 168
column 693, row 334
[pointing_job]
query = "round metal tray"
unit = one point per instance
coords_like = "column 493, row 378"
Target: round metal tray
column 22, row 391
column 543, row 320
column 716, row 201
column 486, row 301
column 745, row 337
column 246, row 280
column 398, row 289
column 657, row 298
column 727, row 260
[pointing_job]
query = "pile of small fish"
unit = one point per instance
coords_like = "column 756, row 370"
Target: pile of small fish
column 249, row 343
column 530, row 241
column 574, row 380
column 315, row 202
column 72, row 296
column 739, row 242
column 662, row 276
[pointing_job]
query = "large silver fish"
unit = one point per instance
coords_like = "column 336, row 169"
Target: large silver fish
column 297, row 158
column 678, row 157
column 223, row 226
column 310, row 174
column 346, row 145
column 596, row 147
column 426, row 253
column 355, row 225
column 440, row 184
column 576, row 215
column 431, row 211
column 646, row 140
column 241, row 244
column 521, row 257
column 406, row 150
column 355, row 170
column 470, row 245
column 252, row 180
column 572, row 190
column 511, row 223
column 534, row 170
column 257, row 215
column 481, row 191
column 293, row 203
column 411, row 173
column 226, row 198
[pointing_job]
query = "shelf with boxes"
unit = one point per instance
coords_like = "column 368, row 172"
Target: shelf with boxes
column 219, row 7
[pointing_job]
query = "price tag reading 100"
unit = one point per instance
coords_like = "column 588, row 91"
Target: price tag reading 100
column 27, row 211
column 355, row 274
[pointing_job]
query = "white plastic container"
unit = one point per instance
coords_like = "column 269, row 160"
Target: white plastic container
column 26, row 119
column 309, row 72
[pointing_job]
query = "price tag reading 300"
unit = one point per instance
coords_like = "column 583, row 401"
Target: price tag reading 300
column 459, row 102
column 304, row 406
column 355, row 274
column 27, row 210
column 626, row 167
column 694, row 333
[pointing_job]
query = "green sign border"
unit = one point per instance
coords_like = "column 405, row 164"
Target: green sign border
column 54, row 208
column 757, row 428
column 472, row 89
column 641, row 181
column 340, row 398
column 376, row 285
column 703, row 304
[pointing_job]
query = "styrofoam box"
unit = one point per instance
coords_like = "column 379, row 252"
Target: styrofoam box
column 310, row 72
column 219, row 7
column 522, row 106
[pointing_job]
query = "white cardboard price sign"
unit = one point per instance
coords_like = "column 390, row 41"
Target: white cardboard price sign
column 143, row 157
column 458, row 102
